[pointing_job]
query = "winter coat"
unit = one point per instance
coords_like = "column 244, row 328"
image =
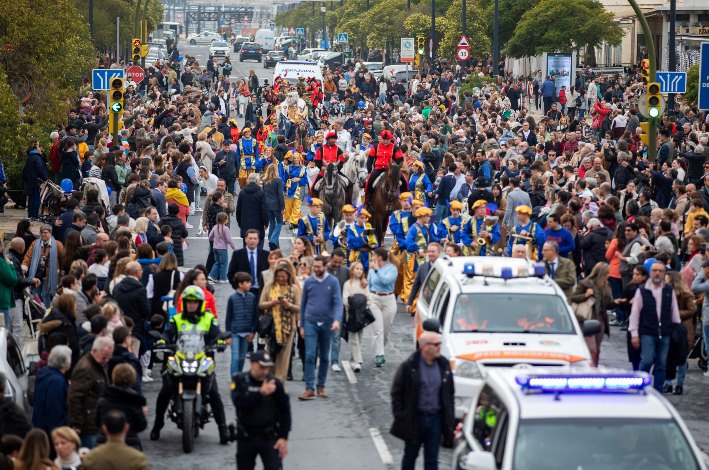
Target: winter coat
column 594, row 247
column 357, row 316
column 60, row 323
column 273, row 195
column 88, row 383
column 132, row 297
column 71, row 168
column 35, row 170
column 12, row 419
column 405, row 396
column 252, row 210
column 131, row 403
column 179, row 232
column 140, row 199
column 122, row 356
column 50, row 394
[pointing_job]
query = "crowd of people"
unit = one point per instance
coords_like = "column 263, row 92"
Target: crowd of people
column 485, row 171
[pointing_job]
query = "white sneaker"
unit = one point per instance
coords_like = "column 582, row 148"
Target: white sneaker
column 188, row 225
column 223, row 281
column 336, row 368
column 147, row 378
column 211, row 279
column 199, row 209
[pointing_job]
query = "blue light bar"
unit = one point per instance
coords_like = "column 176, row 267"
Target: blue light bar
column 469, row 269
column 506, row 273
column 539, row 270
column 584, row 383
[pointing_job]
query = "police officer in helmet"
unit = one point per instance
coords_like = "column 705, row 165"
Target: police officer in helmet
column 193, row 316
column 263, row 414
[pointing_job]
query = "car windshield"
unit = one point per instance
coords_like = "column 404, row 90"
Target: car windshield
column 252, row 47
column 219, row 44
column 190, row 343
column 607, row 444
column 373, row 67
column 511, row 313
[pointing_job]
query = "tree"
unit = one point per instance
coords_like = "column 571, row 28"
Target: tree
column 452, row 25
column 563, row 26
column 510, row 13
column 384, row 23
column 350, row 19
column 419, row 24
column 692, row 94
column 15, row 135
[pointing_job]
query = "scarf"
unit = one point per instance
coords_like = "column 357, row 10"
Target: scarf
column 282, row 318
column 52, row 269
column 177, row 195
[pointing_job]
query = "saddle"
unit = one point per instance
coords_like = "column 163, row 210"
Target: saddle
column 375, row 183
column 343, row 180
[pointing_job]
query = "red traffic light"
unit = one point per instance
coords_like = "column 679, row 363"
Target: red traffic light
column 136, row 42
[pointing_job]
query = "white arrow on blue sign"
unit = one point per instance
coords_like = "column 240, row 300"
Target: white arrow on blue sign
column 672, row 82
column 101, row 78
column 703, row 98
column 343, row 38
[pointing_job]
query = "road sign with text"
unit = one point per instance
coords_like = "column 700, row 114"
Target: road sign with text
column 408, row 50
column 672, row 82
column 135, row 73
column 462, row 54
column 703, row 98
column 101, row 78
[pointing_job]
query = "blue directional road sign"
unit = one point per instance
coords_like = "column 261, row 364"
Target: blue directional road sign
column 300, row 31
column 672, row 82
column 343, row 38
column 101, row 78
column 704, row 76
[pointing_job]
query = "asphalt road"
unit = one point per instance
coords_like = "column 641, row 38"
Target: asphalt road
column 349, row 430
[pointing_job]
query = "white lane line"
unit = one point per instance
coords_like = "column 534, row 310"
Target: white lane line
column 349, row 372
column 381, row 446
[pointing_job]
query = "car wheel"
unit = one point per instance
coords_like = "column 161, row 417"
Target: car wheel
column 193, row 42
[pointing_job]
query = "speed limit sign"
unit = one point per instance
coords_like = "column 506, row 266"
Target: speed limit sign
column 462, row 54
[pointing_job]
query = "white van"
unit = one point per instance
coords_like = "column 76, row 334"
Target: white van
column 291, row 70
column 266, row 39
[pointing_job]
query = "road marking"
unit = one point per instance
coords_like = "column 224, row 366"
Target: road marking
column 349, row 372
column 381, row 446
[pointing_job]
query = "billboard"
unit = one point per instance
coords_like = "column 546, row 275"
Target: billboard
column 560, row 67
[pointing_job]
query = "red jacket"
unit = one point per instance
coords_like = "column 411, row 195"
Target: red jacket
column 384, row 155
column 55, row 157
column 326, row 155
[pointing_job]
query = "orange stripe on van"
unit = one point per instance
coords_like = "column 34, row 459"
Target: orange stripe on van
column 550, row 356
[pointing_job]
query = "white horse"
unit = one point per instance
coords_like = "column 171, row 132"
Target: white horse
column 355, row 169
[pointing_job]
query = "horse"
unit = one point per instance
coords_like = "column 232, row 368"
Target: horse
column 355, row 169
column 384, row 200
column 333, row 193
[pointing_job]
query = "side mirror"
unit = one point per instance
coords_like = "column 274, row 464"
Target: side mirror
column 432, row 324
column 478, row 461
column 591, row 328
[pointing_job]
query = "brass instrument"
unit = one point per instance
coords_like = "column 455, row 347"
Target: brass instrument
column 521, row 237
column 340, row 233
column 481, row 241
column 369, row 233
column 527, row 239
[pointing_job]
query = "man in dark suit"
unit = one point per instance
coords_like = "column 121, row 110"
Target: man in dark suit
column 251, row 208
column 528, row 135
column 561, row 270
column 433, row 251
column 250, row 259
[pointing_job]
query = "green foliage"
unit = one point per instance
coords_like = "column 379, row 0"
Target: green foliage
column 351, row 20
column 384, row 23
column 692, row 85
column 510, row 13
column 419, row 24
column 452, row 25
column 563, row 26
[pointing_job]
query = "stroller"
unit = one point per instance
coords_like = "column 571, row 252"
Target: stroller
column 51, row 197
column 697, row 350
column 33, row 313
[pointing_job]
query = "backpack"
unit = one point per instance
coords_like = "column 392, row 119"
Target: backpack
column 578, row 101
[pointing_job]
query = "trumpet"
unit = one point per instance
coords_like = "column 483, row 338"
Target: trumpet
column 482, row 241
column 521, row 237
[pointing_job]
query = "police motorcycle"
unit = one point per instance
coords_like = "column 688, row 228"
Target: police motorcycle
column 189, row 364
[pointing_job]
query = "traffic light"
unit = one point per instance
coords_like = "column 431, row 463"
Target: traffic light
column 645, row 136
column 645, row 70
column 654, row 101
column 420, row 45
column 115, row 104
column 136, row 51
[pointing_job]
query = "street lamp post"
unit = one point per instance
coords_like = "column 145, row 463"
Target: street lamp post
column 324, row 26
column 672, row 59
column 433, row 31
column 496, row 40
column 464, row 19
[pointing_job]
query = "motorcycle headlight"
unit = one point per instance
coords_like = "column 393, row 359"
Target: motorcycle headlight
column 205, row 367
column 190, row 367
column 468, row 370
column 173, row 366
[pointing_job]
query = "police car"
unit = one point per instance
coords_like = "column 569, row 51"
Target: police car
column 498, row 312
column 549, row 419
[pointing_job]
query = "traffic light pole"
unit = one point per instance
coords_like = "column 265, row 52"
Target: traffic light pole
column 116, row 119
column 652, row 57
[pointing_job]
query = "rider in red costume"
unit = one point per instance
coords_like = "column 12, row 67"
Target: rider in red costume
column 379, row 158
column 328, row 153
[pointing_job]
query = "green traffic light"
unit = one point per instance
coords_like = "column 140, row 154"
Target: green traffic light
column 654, row 112
column 116, row 107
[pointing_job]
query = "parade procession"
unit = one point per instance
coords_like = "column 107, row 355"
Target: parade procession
column 467, row 234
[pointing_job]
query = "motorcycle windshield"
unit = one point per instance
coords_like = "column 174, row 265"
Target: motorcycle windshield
column 190, row 343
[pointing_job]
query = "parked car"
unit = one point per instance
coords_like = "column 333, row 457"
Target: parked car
column 377, row 68
column 205, row 37
column 239, row 41
column 12, row 364
column 250, row 51
column 272, row 58
column 309, row 53
column 219, row 49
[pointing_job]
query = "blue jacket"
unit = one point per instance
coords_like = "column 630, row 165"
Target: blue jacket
column 50, row 399
column 548, row 88
column 35, row 169
column 241, row 313
column 445, row 187
column 563, row 238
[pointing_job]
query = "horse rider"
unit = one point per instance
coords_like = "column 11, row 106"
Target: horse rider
column 328, row 153
column 361, row 239
column 296, row 184
column 246, row 155
column 380, row 157
column 339, row 233
column 476, row 228
column 314, row 225
column 399, row 223
column 526, row 233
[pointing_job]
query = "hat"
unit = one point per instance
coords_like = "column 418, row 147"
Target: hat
column 416, row 203
column 364, row 213
column 456, row 205
column 245, row 129
column 331, row 135
column 418, row 163
column 366, row 136
column 318, row 203
column 586, row 194
column 523, row 210
column 480, row 202
column 288, row 156
column 348, row 209
column 423, row 212
column 262, row 357
column 405, row 196
column 386, row 134
column 297, row 156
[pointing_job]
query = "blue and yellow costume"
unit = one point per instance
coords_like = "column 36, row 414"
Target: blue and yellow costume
column 420, row 185
column 361, row 241
column 295, row 190
column 247, row 155
column 399, row 224
column 419, row 236
column 534, row 232
column 311, row 226
column 341, row 240
column 472, row 228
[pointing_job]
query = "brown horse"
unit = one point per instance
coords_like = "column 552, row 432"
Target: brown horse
column 384, row 200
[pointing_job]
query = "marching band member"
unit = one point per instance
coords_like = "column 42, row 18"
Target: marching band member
column 361, row 239
column 476, row 229
column 451, row 228
column 296, row 184
column 526, row 233
column 246, row 155
column 419, row 184
column 399, row 223
column 339, row 233
column 314, row 226
column 315, row 146
column 420, row 235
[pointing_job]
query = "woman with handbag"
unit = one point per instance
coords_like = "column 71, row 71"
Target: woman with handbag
column 280, row 300
column 356, row 284
column 590, row 301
